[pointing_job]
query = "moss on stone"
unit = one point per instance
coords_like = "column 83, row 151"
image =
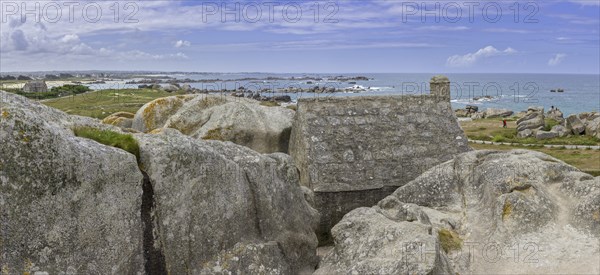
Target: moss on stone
column 506, row 210
column 596, row 215
column 215, row 134
column 449, row 240
column 122, row 141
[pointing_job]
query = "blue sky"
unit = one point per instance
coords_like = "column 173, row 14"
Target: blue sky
column 345, row 36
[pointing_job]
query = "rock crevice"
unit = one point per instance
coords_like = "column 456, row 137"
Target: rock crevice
column 153, row 255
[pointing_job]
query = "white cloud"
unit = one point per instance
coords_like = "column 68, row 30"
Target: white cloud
column 472, row 58
column 557, row 59
column 586, row 2
column 182, row 43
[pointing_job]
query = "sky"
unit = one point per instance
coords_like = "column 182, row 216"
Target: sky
column 377, row 36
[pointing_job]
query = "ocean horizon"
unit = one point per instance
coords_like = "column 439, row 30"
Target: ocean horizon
column 515, row 91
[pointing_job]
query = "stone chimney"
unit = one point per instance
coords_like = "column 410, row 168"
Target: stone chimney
column 440, row 87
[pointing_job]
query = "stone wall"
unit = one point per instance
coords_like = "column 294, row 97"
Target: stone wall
column 353, row 151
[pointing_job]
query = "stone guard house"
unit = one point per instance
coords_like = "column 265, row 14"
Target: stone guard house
column 37, row 86
column 354, row 151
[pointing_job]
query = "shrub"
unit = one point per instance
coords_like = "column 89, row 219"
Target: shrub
column 550, row 123
column 499, row 138
column 122, row 141
column 70, row 89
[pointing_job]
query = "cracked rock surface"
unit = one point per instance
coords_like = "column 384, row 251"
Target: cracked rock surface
column 516, row 212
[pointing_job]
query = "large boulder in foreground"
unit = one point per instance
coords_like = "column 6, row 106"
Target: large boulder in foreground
column 239, row 120
column 225, row 208
column 68, row 205
column 480, row 207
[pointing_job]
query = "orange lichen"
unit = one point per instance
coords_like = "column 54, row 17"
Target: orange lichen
column 596, row 215
column 506, row 210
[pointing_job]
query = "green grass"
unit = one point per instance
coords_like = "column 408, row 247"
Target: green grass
column 110, row 138
column 550, row 123
column 587, row 161
column 101, row 104
column 499, row 138
column 491, row 130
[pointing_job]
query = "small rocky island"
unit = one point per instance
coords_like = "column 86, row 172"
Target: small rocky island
column 210, row 184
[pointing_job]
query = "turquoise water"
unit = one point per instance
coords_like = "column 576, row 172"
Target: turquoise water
column 511, row 91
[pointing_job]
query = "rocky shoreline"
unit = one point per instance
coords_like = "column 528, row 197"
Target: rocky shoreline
column 171, row 80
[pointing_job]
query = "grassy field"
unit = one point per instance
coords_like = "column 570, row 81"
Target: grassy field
column 103, row 103
column 491, row 130
column 586, row 160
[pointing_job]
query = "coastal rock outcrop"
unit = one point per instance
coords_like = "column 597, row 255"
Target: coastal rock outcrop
column 555, row 114
column 560, row 130
column 546, row 134
column 478, row 201
column 239, row 120
column 592, row 127
column 225, row 208
column 533, row 120
column 575, row 125
column 67, row 204
column 495, row 113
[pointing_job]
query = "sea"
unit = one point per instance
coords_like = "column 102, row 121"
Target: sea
column 571, row 93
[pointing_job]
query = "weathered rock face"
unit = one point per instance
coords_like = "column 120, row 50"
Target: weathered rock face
column 479, row 199
column 546, row 134
column 478, row 115
column 225, row 208
column 396, row 249
column 555, row 114
column 588, row 116
column 67, row 204
column 461, row 112
column 533, row 120
column 592, row 127
column 171, row 88
column 560, row 130
column 495, row 113
column 354, row 151
column 120, row 119
column 240, row 120
column 154, row 114
column 525, row 133
column 574, row 124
